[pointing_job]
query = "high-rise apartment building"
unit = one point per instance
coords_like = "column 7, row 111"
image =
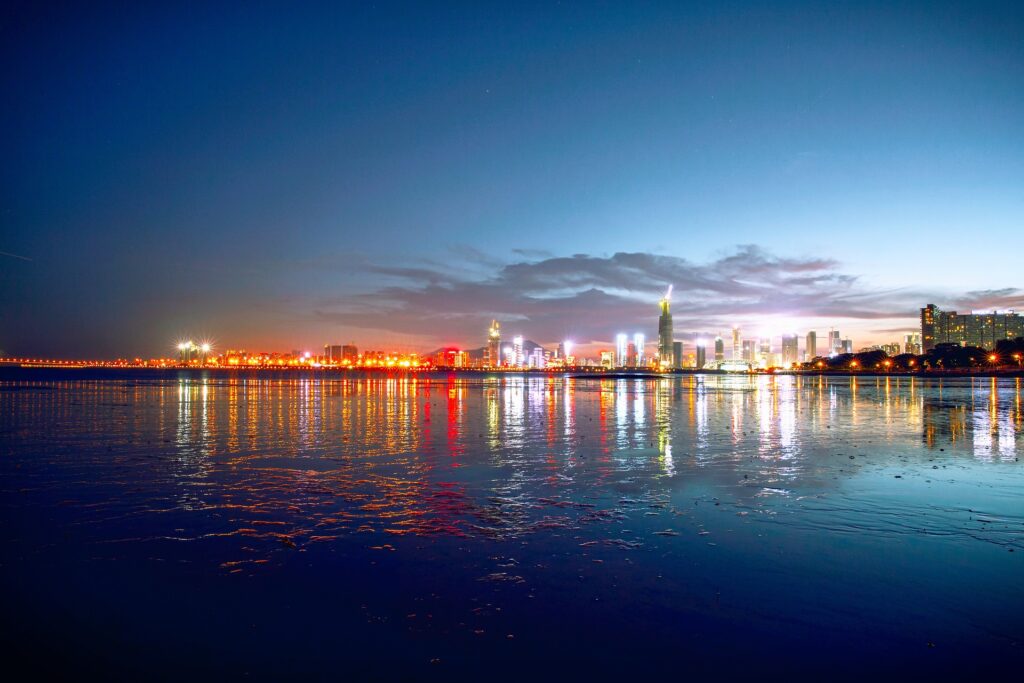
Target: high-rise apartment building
column 811, row 348
column 332, row 353
column 978, row 328
column 719, row 349
column 702, row 355
column 677, row 355
column 517, row 351
column 737, row 348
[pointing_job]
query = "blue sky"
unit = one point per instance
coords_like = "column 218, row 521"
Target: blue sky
column 276, row 177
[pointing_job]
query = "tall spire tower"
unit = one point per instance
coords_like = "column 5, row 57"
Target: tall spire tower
column 494, row 345
column 665, row 330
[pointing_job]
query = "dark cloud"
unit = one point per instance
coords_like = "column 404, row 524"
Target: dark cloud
column 1007, row 297
column 592, row 297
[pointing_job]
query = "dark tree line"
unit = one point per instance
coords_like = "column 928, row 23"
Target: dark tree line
column 1008, row 352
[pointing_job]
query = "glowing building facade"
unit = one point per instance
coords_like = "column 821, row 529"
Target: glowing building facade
column 517, row 351
column 665, row 330
column 750, row 350
column 835, row 344
column 912, row 343
column 978, row 328
column 790, row 349
column 493, row 358
column 639, row 341
column 621, row 350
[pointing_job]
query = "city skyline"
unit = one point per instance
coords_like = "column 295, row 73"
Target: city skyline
column 989, row 338
column 874, row 324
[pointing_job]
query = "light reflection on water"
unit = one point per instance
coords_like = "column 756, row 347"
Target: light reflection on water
column 384, row 448
column 240, row 474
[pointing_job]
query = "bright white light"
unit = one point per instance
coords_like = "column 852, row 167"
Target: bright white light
column 307, row 354
column 206, row 348
column 567, row 347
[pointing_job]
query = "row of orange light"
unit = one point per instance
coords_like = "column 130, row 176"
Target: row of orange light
column 992, row 358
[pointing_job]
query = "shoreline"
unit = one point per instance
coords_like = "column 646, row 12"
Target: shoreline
column 575, row 373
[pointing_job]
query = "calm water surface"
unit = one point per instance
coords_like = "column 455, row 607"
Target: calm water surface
column 504, row 527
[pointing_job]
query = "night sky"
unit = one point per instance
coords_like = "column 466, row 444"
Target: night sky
column 274, row 177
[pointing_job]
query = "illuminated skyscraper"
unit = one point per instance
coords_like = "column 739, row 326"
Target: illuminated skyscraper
column 567, row 347
column 638, row 341
column 811, row 350
column 621, row 350
column 719, row 349
column 835, row 344
column 912, row 343
column 665, row 330
column 790, row 349
column 750, row 350
column 517, row 350
column 702, row 354
column 737, row 339
column 493, row 345
column 765, row 352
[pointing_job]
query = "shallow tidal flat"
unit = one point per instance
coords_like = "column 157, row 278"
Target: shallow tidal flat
column 439, row 526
